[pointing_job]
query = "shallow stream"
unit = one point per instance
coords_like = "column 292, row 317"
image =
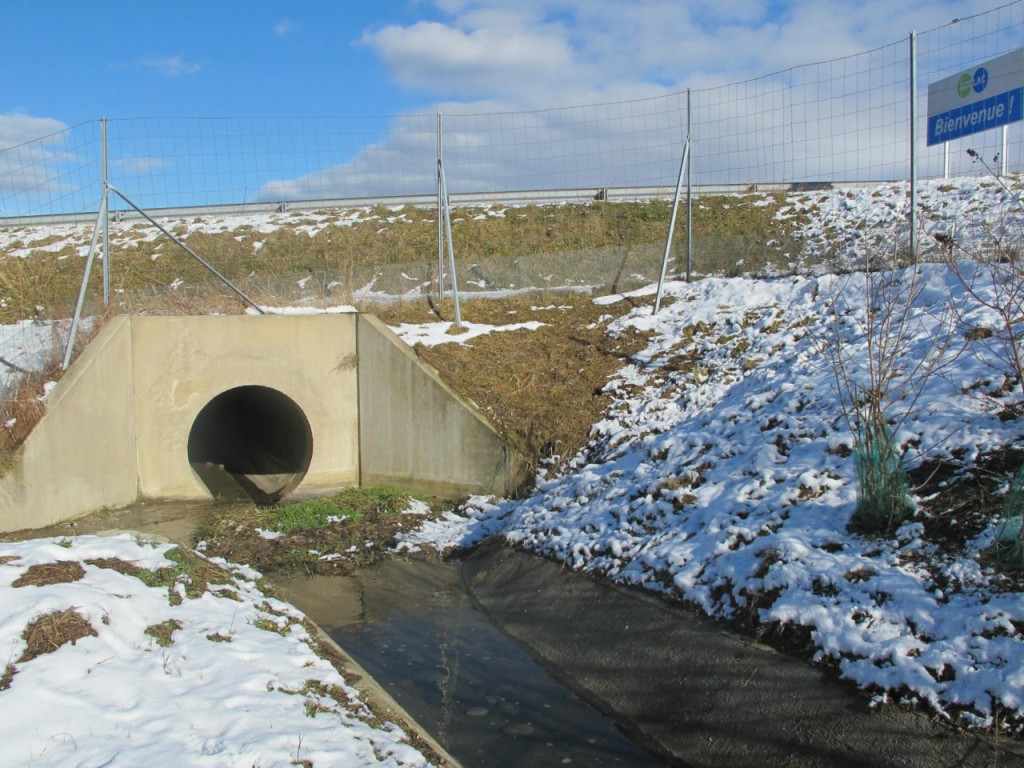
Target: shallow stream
column 702, row 693
column 414, row 628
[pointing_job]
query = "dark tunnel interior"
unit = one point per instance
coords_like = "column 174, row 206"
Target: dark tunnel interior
column 251, row 441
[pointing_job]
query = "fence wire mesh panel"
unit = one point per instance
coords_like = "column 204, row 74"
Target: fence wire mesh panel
column 826, row 122
column 187, row 162
column 329, row 210
column 589, row 148
column 57, row 173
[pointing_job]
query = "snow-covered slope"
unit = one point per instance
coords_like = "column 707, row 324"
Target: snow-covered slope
column 722, row 476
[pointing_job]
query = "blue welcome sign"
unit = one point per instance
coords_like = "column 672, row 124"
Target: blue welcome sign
column 983, row 97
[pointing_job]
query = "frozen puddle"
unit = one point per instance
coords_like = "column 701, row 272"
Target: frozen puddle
column 412, row 626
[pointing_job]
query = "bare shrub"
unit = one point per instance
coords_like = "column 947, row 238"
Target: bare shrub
column 990, row 269
column 873, row 346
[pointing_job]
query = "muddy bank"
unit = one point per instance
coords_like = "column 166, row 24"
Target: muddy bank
column 680, row 683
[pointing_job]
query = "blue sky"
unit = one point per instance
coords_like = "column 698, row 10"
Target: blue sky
column 66, row 62
column 70, row 60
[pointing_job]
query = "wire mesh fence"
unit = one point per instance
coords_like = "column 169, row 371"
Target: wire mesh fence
column 306, row 208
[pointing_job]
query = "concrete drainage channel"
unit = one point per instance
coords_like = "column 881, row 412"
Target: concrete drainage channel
column 704, row 695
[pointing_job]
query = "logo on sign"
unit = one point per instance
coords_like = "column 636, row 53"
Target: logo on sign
column 969, row 82
column 980, row 79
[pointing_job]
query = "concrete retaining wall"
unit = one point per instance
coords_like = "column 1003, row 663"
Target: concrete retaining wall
column 415, row 432
column 118, row 423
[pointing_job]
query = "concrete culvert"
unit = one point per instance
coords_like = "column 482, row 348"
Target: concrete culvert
column 250, row 442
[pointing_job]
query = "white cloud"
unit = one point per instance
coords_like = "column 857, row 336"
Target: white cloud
column 138, row 166
column 30, row 149
column 170, row 66
column 540, row 52
column 436, row 57
column 16, row 128
column 285, row 26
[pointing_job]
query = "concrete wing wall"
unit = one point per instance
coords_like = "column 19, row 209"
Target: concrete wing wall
column 81, row 455
column 417, row 433
column 182, row 363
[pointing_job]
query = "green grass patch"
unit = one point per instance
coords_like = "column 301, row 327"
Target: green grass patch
column 163, row 632
column 192, row 571
column 328, row 535
column 351, row 505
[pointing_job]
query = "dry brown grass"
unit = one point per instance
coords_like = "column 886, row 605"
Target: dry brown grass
column 22, row 409
column 163, row 633
column 542, row 388
column 47, row 633
column 44, row 574
column 562, row 240
column 42, row 283
column 116, row 564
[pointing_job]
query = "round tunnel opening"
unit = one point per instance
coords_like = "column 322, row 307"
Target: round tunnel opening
column 250, row 442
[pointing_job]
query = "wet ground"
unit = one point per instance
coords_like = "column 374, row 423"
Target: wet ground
column 176, row 521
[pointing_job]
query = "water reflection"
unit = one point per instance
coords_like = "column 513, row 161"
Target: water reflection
column 480, row 694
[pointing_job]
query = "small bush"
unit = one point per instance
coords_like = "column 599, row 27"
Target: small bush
column 1008, row 549
column 883, row 488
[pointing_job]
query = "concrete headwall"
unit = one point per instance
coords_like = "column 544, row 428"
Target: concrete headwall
column 182, row 363
column 118, row 423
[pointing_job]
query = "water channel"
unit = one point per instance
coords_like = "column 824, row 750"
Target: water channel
column 412, row 625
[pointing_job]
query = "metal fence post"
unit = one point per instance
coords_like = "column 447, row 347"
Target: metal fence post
column 440, row 212
column 105, row 179
column 1002, row 153
column 913, row 145
column 451, row 248
column 683, row 165
column 689, row 190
